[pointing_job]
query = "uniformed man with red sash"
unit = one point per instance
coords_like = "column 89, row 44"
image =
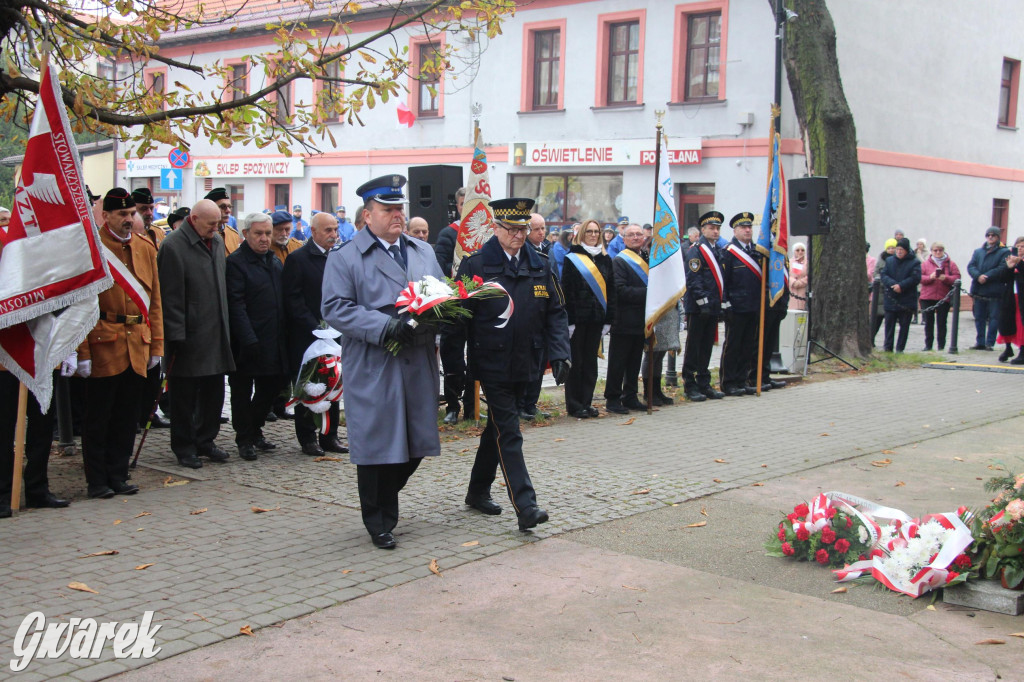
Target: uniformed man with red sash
column 702, row 305
column 127, row 340
column 741, row 268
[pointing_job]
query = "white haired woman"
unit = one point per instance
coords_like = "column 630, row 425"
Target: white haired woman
column 798, row 277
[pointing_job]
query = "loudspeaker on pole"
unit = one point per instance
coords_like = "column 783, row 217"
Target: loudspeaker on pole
column 432, row 195
column 808, row 206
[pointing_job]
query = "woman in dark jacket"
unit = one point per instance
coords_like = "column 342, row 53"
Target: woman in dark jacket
column 587, row 269
column 900, row 277
column 1011, row 331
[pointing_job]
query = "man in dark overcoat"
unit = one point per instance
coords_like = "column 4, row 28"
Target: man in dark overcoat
column 626, row 351
column 256, row 313
column 302, row 281
column 390, row 398
column 507, row 351
column 196, row 332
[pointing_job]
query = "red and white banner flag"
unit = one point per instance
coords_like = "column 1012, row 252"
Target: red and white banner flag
column 475, row 226
column 51, row 263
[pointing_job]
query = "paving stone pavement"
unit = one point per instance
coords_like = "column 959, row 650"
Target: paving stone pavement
column 216, row 571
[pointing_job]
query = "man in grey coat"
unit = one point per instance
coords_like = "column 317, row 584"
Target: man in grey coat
column 196, row 333
column 390, row 400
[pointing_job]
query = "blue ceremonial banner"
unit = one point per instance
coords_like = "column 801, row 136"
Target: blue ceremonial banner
column 772, row 241
column 667, row 272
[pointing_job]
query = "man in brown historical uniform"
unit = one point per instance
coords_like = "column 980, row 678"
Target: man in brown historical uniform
column 118, row 351
column 281, row 242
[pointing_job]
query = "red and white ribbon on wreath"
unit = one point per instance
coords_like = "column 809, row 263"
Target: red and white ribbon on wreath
column 330, row 374
column 416, row 303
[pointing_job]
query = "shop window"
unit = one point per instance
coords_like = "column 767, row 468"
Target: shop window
column 567, row 199
column 1008, row 89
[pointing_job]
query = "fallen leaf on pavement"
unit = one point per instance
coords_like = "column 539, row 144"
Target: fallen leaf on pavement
column 642, row 491
column 764, row 466
column 638, row 589
column 899, row 484
column 717, row 480
column 106, row 552
column 930, row 607
column 471, row 543
column 143, row 567
column 992, row 641
column 1017, row 634
column 200, row 617
column 888, row 452
column 82, row 587
column 559, row 440
column 117, row 522
column 839, row 590
column 720, row 461
column 143, row 513
column 246, row 630
column 959, row 459
column 703, row 511
column 628, row 421
column 197, row 512
column 699, row 524
column 169, row 482
column 260, row 510
column 347, row 570
column 881, row 462
column 825, row 434
column 434, row 568
column 328, row 458
column 756, row 485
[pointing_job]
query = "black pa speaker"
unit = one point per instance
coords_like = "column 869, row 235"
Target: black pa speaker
column 808, row 206
column 432, row 195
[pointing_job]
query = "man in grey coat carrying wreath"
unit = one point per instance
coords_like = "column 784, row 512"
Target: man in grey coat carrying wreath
column 390, row 399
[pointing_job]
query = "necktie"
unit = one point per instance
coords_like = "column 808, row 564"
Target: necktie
column 515, row 265
column 397, row 253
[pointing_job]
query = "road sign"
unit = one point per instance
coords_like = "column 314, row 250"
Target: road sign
column 170, row 179
column 179, row 158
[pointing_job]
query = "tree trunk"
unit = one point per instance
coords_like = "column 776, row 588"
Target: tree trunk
column 840, row 304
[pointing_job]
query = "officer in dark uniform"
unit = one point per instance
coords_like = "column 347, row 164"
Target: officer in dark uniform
column 507, row 352
column 742, row 268
column 702, row 305
column 773, row 316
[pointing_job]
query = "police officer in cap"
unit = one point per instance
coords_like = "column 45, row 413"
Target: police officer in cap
column 702, row 306
column 232, row 240
column 507, row 353
column 390, row 399
column 742, row 269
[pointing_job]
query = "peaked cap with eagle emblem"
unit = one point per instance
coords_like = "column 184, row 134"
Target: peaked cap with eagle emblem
column 513, row 211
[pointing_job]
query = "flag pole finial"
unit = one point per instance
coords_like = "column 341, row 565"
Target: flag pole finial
column 658, row 116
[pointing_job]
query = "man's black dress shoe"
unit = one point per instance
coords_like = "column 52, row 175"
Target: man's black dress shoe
column 158, row 422
column 733, row 391
column 525, row 416
column 750, row 390
column 5, row 512
column 49, row 500
column 190, row 462
column 216, row 455
column 100, row 493
column 580, row 414
column 264, row 445
column 775, row 383
column 312, row 449
column 487, row 505
column 713, row 394
column 384, row 541
column 617, row 408
column 247, row 452
column 531, row 516
column 451, row 417
column 592, row 411
column 223, row 420
column 332, row 445
column 124, row 488
column 695, row 396
column 635, row 405
column 661, row 400
column 766, row 386
column 271, row 417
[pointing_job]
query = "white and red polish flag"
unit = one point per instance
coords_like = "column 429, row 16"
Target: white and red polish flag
column 51, row 262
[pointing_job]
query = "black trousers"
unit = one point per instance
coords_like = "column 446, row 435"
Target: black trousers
column 579, row 386
column 529, row 394
column 149, row 394
column 379, row 485
column 251, row 398
column 38, row 439
column 740, row 349
column 892, row 317
column 196, row 403
column 700, row 339
column 306, row 431
column 772, row 323
column 625, row 353
column 935, row 320
column 108, row 434
column 658, row 357
column 501, row 445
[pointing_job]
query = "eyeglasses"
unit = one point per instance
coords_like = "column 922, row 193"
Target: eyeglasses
column 513, row 230
column 938, row 250
column 592, row 232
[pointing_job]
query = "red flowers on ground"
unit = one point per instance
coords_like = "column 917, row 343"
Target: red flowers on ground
column 802, row 509
column 821, row 556
column 962, row 561
column 828, row 536
column 787, row 549
column 842, row 545
column 802, row 534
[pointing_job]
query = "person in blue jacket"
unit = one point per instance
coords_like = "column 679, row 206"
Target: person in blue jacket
column 987, row 270
column 900, row 277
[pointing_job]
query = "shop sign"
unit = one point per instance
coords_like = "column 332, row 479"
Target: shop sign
column 684, row 151
column 255, row 167
column 145, row 168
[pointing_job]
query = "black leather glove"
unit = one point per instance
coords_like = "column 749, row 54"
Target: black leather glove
column 172, row 348
column 399, row 331
column 727, row 314
column 705, row 311
column 560, row 371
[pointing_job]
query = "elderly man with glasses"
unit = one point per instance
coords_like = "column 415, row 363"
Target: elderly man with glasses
column 507, row 352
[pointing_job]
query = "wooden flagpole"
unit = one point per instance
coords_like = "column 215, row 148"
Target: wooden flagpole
column 760, row 332
column 19, row 447
column 649, row 384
